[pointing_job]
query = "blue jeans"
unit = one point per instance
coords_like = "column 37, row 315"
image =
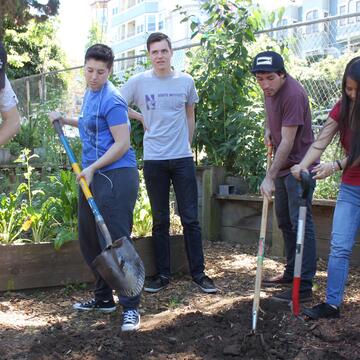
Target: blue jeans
column 288, row 193
column 346, row 223
column 181, row 172
column 115, row 196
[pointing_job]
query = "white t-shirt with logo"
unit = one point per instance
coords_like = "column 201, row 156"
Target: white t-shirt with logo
column 162, row 101
column 8, row 98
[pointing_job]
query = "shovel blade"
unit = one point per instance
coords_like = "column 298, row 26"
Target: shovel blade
column 121, row 267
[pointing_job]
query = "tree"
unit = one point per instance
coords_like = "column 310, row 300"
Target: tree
column 95, row 35
column 33, row 49
column 17, row 13
column 229, row 114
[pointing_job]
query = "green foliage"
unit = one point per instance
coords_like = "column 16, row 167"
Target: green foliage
column 33, row 49
column 65, row 187
column 142, row 217
column 17, row 13
column 229, row 111
column 40, row 212
column 12, row 216
column 95, row 35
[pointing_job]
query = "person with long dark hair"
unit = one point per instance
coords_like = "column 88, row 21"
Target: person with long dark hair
column 344, row 119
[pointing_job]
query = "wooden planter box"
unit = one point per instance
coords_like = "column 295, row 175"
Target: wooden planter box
column 31, row 266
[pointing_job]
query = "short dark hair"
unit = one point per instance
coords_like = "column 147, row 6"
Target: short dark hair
column 155, row 37
column 100, row 52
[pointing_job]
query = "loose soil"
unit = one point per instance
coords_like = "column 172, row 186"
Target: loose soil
column 181, row 322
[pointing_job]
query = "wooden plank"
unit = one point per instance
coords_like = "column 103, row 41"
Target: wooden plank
column 40, row 265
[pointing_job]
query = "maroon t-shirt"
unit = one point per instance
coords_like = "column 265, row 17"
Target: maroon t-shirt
column 290, row 107
column 351, row 176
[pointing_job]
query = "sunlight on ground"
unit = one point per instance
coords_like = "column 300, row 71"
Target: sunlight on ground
column 13, row 318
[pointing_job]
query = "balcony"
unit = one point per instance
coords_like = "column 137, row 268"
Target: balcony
column 135, row 11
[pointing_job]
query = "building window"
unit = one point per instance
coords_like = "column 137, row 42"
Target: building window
column 140, row 28
column 342, row 11
column 351, row 10
column 130, row 62
column 313, row 28
column 282, row 33
column 115, row 10
column 140, row 1
column 151, row 23
column 131, row 28
column 131, row 3
column 122, row 32
column 161, row 22
column 358, row 10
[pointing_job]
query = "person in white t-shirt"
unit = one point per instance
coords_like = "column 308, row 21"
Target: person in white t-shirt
column 166, row 99
column 10, row 124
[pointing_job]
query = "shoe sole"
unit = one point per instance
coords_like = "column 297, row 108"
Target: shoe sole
column 126, row 328
column 152, row 290
column 276, row 284
column 304, row 300
column 103, row 310
column 205, row 290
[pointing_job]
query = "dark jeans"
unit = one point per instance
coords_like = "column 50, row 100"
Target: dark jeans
column 115, row 196
column 181, row 172
column 287, row 201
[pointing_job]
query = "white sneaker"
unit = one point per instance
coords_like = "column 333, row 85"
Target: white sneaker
column 131, row 320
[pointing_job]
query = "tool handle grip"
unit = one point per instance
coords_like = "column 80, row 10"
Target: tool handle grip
column 305, row 183
column 57, row 126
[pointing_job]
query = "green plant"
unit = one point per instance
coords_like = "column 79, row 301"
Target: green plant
column 229, row 113
column 142, row 217
column 65, row 186
column 13, row 219
column 39, row 213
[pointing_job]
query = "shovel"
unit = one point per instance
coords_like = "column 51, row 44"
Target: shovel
column 305, row 184
column 261, row 250
column 118, row 264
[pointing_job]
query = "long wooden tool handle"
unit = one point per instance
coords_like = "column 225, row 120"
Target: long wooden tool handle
column 261, row 249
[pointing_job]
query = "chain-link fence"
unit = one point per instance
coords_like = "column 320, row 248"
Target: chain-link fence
column 316, row 53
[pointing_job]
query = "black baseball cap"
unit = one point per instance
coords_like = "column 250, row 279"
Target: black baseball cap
column 268, row 61
column 3, row 61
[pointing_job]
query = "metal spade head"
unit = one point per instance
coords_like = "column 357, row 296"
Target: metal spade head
column 123, row 270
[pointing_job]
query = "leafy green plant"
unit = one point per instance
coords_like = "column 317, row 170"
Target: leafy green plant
column 39, row 212
column 142, row 218
column 229, row 113
column 12, row 216
column 65, row 186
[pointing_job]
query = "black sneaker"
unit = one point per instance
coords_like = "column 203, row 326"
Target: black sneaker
column 206, row 284
column 105, row 306
column 157, row 283
column 131, row 320
column 286, row 296
column 323, row 310
column 277, row 280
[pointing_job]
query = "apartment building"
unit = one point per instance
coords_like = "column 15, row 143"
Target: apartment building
column 319, row 39
column 131, row 21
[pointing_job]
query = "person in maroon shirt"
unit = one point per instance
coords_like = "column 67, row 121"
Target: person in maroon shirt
column 288, row 129
column 344, row 119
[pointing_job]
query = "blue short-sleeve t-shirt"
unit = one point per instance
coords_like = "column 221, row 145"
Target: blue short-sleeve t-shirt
column 101, row 110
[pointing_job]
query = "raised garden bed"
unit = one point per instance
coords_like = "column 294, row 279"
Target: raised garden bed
column 40, row 265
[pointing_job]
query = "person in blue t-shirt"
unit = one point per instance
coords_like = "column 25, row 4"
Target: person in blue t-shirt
column 110, row 169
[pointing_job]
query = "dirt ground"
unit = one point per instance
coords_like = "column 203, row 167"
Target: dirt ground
column 181, row 322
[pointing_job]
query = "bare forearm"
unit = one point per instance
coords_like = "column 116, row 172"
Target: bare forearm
column 70, row 121
column 191, row 126
column 281, row 156
column 10, row 125
column 135, row 115
column 115, row 152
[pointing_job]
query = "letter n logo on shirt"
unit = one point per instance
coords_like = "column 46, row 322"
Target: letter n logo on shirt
column 150, row 102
